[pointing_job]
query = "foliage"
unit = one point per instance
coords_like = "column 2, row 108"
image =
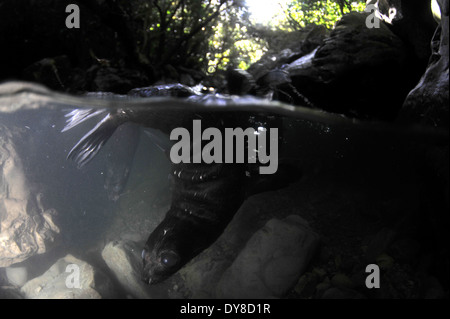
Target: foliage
column 181, row 32
column 198, row 34
column 301, row 13
column 230, row 44
column 208, row 35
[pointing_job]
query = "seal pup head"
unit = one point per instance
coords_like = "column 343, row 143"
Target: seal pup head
column 176, row 240
column 171, row 245
column 161, row 257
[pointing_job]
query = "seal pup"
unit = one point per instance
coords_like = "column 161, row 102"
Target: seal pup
column 205, row 196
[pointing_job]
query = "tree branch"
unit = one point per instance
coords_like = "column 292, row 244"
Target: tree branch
column 194, row 31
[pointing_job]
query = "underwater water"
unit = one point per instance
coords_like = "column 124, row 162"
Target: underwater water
column 370, row 193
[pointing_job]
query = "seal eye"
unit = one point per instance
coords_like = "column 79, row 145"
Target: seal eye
column 169, row 259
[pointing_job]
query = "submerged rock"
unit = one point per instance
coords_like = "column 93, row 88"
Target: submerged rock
column 17, row 276
column 271, row 262
column 26, row 228
column 200, row 277
column 69, row 278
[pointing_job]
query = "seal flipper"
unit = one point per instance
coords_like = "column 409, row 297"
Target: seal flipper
column 78, row 116
column 85, row 150
column 91, row 143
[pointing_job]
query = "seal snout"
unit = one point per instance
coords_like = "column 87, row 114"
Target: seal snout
column 146, row 278
column 148, row 266
column 147, row 274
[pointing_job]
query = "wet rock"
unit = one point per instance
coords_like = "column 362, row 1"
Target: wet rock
column 293, row 46
column 428, row 102
column 240, row 82
column 272, row 61
column 17, row 276
column 199, row 278
column 410, row 20
column 125, row 261
column 176, row 90
column 271, row 262
column 347, row 66
column 268, row 84
column 61, row 282
column 26, row 228
column 314, row 38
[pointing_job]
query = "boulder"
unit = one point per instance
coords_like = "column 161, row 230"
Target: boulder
column 354, row 64
column 271, row 262
column 428, row 102
column 412, row 21
column 314, row 38
column 285, row 47
column 240, row 82
column 69, row 278
column 200, row 277
column 26, row 228
column 17, row 276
